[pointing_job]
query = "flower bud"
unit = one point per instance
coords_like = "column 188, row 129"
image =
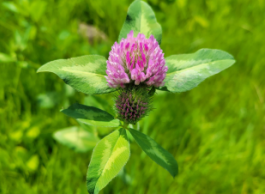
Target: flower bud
column 132, row 104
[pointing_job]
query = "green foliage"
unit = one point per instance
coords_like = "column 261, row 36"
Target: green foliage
column 51, row 99
column 108, row 158
column 141, row 19
column 215, row 131
column 76, row 138
column 4, row 58
column 91, row 116
column 85, row 74
column 186, row 71
column 156, row 152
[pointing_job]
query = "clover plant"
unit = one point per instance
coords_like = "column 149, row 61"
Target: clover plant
column 135, row 69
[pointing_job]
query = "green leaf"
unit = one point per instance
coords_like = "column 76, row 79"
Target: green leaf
column 10, row 6
column 89, row 128
column 85, row 74
column 37, row 9
column 186, row 71
column 108, row 158
column 91, row 115
column 48, row 99
column 76, row 138
column 141, row 19
column 156, row 152
column 6, row 58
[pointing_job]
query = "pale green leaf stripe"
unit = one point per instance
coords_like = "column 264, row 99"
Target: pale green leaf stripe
column 85, row 73
column 141, row 19
column 76, row 138
column 91, row 115
column 108, row 158
column 186, row 71
column 155, row 152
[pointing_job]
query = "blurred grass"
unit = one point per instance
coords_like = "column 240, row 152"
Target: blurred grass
column 215, row 131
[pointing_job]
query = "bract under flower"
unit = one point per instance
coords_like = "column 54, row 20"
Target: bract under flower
column 138, row 60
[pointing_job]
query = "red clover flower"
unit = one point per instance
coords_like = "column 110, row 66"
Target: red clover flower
column 138, row 60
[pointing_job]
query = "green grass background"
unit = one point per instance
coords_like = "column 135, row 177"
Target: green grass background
column 216, row 131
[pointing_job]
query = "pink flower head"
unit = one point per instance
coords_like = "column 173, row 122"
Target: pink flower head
column 138, row 60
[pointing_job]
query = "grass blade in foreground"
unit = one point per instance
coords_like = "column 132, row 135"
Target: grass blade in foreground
column 155, row 152
column 76, row 138
column 186, row 71
column 85, row 73
column 108, row 158
column 141, row 19
column 91, row 115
